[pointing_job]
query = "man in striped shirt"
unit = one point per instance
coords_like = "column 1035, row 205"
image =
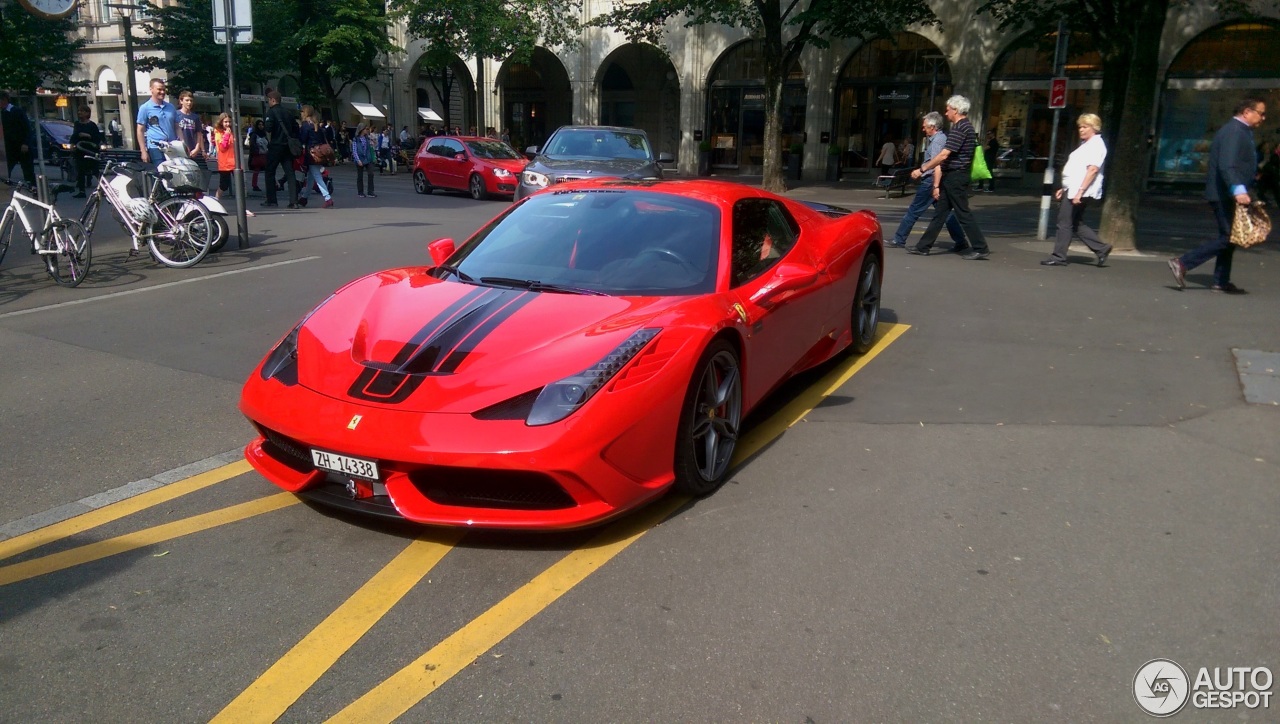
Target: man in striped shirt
column 951, row 187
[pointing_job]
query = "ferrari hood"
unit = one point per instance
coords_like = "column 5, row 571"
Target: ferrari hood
column 406, row 339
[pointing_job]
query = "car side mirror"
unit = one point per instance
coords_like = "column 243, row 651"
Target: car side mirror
column 666, row 158
column 530, row 152
column 441, row 250
column 787, row 277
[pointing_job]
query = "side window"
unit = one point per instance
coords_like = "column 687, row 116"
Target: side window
column 436, row 148
column 452, row 148
column 763, row 233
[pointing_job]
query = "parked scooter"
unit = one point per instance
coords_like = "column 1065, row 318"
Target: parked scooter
column 175, row 154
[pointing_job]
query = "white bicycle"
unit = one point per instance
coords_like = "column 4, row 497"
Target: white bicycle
column 61, row 243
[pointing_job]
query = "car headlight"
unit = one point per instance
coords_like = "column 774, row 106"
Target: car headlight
column 533, row 178
column 559, row 399
column 501, row 173
column 282, row 361
column 66, row 146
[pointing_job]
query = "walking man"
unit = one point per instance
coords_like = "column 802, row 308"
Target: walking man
column 934, row 141
column 281, row 129
column 1233, row 165
column 157, row 124
column 18, row 138
column 951, row 190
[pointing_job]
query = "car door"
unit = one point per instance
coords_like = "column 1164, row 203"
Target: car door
column 454, row 164
column 432, row 160
column 777, row 290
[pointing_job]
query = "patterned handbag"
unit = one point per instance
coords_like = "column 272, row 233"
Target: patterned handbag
column 1251, row 226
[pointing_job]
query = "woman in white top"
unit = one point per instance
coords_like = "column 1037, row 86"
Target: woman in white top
column 1081, row 183
column 888, row 156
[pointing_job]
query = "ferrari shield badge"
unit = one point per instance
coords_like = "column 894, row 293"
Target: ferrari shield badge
column 742, row 312
column 355, row 420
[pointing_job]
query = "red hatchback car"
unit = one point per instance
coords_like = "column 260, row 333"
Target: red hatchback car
column 483, row 167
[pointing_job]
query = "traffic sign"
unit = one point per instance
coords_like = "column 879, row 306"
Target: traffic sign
column 234, row 17
column 1058, row 93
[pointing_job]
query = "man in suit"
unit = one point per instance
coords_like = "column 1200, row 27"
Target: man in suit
column 18, row 138
column 1233, row 167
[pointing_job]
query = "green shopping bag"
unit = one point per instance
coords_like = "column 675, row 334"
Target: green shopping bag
column 979, row 170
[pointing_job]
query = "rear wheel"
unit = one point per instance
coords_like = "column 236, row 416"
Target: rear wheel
column 476, row 186
column 10, row 229
column 181, row 236
column 420, row 183
column 70, row 265
column 866, row 305
column 709, row 422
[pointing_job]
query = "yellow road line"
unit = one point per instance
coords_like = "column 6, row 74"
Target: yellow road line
column 290, row 677
column 795, row 411
column 396, row 695
column 413, row 683
column 115, row 511
column 140, row 539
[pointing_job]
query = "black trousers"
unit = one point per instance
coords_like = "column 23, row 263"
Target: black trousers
column 953, row 197
column 28, row 166
column 277, row 155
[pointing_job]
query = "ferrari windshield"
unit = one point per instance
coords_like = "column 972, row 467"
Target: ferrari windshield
column 493, row 150
column 597, row 143
column 626, row 242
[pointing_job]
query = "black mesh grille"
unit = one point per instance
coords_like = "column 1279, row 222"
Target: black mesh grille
column 506, row 489
column 287, row 450
column 516, row 408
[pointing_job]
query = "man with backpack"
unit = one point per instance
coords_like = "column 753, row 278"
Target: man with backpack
column 282, row 140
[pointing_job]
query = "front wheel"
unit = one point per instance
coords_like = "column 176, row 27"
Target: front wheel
column 709, row 422
column 866, row 306
column 8, row 230
column 476, row 186
column 70, row 265
column 220, row 233
column 89, row 216
column 180, row 237
column 420, row 183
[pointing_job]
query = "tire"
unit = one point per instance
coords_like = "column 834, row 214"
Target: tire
column 70, row 265
column 8, row 230
column 420, row 183
column 89, row 216
column 220, row 233
column 476, row 187
column 865, row 314
column 181, row 237
column 709, row 422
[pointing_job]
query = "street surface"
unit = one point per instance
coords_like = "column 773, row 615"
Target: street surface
column 1040, row 479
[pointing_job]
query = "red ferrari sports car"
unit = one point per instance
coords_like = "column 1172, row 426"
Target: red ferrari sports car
column 591, row 347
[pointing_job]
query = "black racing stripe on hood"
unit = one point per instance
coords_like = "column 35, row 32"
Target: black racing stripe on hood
column 471, row 325
column 438, row 347
column 468, row 343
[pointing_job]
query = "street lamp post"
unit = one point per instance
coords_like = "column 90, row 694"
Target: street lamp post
column 131, row 100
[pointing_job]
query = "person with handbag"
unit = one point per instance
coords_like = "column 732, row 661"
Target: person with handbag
column 1233, row 166
column 283, row 145
column 316, row 154
column 951, row 186
column 1081, row 182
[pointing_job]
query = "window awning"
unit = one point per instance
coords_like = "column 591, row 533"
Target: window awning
column 429, row 115
column 367, row 110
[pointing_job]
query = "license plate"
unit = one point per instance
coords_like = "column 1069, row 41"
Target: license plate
column 367, row 469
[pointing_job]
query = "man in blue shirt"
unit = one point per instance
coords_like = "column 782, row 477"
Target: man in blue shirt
column 934, row 142
column 157, row 124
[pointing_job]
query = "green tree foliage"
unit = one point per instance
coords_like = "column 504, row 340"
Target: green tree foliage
column 786, row 29
column 490, row 28
column 35, row 52
column 327, row 44
column 1127, row 35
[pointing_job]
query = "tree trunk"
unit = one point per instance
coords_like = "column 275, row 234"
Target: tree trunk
column 1126, row 168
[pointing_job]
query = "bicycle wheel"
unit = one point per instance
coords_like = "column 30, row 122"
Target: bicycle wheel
column 89, row 216
column 180, row 238
column 8, row 229
column 70, row 265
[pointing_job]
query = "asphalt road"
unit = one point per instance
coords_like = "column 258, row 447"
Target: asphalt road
column 1041, row 479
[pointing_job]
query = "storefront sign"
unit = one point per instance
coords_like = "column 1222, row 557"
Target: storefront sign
column 894, row 95
column 115, row 87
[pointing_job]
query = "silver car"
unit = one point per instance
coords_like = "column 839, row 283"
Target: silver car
column 577, row 152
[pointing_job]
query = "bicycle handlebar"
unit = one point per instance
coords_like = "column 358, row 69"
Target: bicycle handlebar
column 54, row 189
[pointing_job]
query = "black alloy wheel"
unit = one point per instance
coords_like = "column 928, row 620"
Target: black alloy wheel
column 709, row 422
